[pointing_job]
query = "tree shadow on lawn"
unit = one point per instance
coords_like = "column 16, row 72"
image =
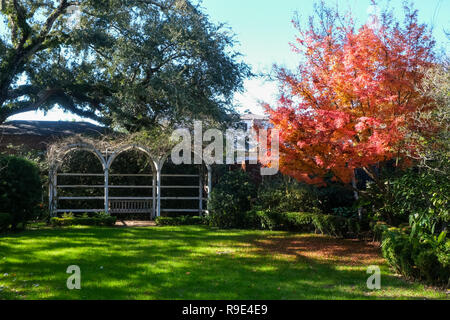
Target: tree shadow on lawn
column 182, row 263
column 324, row 248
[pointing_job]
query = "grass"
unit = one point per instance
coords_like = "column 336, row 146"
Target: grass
column 193, row 263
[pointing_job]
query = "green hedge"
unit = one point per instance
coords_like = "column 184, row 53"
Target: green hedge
column 336, row 225
column 265, row 219
column 5, row 221
column 20, row 188
column 83, row 221
column 304, row 222
column 297, row 221
column 422, row 259
column 179, row 221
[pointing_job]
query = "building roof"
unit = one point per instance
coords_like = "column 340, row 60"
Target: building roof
column 252, row 116
column 68, row 128
column 49, row 128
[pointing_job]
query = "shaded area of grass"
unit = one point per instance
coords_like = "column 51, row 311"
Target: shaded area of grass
column 192, row 263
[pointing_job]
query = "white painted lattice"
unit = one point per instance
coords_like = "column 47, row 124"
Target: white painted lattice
column 150, row 205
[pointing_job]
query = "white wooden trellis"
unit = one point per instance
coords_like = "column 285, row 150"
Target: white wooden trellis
column 136, row 204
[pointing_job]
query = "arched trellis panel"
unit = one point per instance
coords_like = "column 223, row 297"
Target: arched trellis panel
column 55, row 164
column 122, row 205
column 186, row 185
column 107, row 158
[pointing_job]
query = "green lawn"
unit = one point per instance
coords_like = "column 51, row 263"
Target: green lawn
column 192, row 263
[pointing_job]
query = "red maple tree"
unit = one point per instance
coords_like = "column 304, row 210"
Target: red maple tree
column 350, row 102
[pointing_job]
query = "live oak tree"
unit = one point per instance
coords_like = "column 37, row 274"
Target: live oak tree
column 352, row 100
column 131, row 63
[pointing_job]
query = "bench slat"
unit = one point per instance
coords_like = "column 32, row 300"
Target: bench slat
column 130, row 206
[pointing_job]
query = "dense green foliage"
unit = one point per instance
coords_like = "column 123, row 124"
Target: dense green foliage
column 425, row 199
column 427, row 258
column 179, row 221
column 230, row 199
column 337, row 198
column 134, row 63
column 280, row 204
column 418, row 196
column 285, row 195
column 418, row 200
column 20, row 188
column 5, row 221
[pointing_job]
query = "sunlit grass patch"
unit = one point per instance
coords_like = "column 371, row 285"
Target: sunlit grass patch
column 193, row 263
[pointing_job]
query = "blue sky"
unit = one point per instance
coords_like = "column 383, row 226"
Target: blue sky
column 263, row 29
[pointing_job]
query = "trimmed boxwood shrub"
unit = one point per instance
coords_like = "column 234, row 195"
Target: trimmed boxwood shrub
column 337, row 226
column 179, row 221
column 20, row 188
column 266, row 219
column 303, row 222
column 319, row 223
column 83, row 221
column 5, row 221
column 423, row 259
column 397, row 250
column 297, row 221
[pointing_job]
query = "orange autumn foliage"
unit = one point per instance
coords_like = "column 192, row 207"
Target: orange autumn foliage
column 350, row 102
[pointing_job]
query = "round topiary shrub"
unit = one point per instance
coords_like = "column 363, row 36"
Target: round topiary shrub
column 20, row 188
column 231, row 199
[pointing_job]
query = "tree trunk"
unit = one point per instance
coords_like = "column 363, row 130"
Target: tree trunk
column 356, row 194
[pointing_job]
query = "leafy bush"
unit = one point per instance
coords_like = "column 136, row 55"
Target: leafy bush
column 420, row 197
column 428, row 265
column 96, row 219
column 418, row 258
column 20, row 188
column 230, row 200
column 443, row 254
column 5, row 221
column 179, row 221
column 285, row 195
column 397, row 250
